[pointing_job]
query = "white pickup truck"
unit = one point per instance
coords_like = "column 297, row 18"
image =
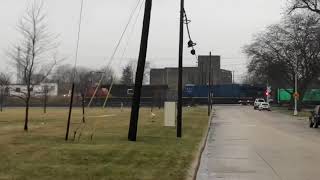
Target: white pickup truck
column 257, row 103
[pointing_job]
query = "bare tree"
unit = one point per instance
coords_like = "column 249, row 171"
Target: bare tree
column 108, row 73
column 4, row 82
column 127, row 75
column 63, row 76
column 35, row 53
column 311, row 5
column 146, row 76
column 286, row 49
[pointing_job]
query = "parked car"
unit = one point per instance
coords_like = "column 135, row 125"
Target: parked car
column 314, row 119
column 264, row 106
column 245, row 102
column 257, row 103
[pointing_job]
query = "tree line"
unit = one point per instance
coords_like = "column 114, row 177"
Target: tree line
column 287, row 48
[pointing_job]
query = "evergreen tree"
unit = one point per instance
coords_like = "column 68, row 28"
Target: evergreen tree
column 127, row 75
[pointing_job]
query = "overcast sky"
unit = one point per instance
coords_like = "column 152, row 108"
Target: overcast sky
column 220, row 26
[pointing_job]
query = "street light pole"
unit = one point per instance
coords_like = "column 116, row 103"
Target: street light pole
column 295, row 113
column 268, row 91
column 179, row 107
column 209, row 87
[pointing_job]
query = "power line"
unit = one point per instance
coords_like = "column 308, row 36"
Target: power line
column 115, row 51
column 120, row 63
column 74, row 73
column 78, row 41
column 132, row 30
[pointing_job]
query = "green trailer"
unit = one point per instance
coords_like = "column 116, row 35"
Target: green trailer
column 311, row 96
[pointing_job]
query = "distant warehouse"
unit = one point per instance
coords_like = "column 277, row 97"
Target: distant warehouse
column 198, row 75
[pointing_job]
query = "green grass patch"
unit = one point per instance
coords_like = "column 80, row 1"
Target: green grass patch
column 43, row 154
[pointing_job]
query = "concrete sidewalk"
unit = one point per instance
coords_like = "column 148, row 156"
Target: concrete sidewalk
column 244, row 144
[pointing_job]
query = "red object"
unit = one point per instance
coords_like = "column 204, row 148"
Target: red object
column 102, row 92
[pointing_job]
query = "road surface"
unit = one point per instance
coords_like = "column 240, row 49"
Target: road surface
column 245, row 144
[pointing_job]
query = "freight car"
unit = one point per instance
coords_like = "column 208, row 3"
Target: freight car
column 311, row 97
column 223, row 94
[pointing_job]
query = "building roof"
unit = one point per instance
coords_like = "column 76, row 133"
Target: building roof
column 224, row 70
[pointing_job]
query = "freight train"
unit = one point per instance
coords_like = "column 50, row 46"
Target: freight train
column 224, row 94
column 235, row 93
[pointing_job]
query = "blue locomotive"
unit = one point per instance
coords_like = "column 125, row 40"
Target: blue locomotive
column 227, row 93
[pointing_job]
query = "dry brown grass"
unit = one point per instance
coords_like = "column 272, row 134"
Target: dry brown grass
column 42, row 152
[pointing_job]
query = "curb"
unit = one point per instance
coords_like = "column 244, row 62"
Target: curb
column 193, row 171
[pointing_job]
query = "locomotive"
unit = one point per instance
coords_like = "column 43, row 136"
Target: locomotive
column 224, row 94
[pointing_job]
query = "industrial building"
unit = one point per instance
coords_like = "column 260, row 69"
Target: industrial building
column 198, row 75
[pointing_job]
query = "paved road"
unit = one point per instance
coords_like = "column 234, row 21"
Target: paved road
column 245, row 144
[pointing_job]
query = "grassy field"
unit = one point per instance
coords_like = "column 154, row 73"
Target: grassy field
column 43, row 154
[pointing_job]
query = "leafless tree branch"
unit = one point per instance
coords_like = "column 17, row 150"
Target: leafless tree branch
column 34, row 53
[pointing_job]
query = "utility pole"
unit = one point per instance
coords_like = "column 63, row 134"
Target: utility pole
column 267, row 91
column 179, row 110
column 83, row 101
column 133, row 127
column 70, row 112
column 1, row 98
column 45, row 99
column 209, row 87
column 74, row 76
column 295, row 113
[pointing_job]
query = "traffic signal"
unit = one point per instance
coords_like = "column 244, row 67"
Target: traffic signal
column 268, row 91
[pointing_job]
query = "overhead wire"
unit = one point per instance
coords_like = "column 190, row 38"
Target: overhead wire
column 187, row 21
column 114, row 52
column 123, row 53
column 132, row 30
column 78, row 42
column 110, row 62
column 106, row 69
column 74, row 71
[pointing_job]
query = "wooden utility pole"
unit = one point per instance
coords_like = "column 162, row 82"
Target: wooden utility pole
column 70, row 112
column 179, row 110
column 132, row 135
column 1, row 98
column 83, row 99
column 45, row 99
column 209, row 87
